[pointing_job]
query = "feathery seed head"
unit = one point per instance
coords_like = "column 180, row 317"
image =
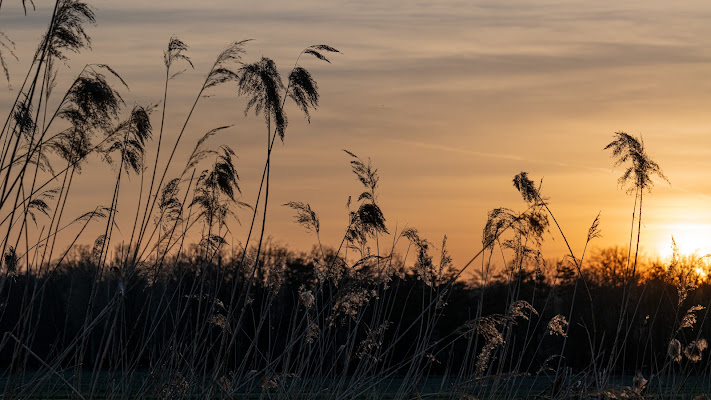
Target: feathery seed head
column 305, row 216
column 693, row 351
column 639, row 174
column 261, row 83
column 557, row 325
column 674, row 350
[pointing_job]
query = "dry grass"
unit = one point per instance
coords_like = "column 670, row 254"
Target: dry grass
column 159, row 317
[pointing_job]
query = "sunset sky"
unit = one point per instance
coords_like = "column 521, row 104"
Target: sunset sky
column 450, row 100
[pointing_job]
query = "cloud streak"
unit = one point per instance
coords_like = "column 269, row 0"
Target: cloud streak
column 501, row 156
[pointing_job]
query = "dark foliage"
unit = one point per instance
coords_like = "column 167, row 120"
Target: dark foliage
column 285, row 276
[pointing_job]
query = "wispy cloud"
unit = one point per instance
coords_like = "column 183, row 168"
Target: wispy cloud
column 502, row 156
column 515, row 157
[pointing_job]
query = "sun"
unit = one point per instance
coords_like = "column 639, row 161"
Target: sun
column 690, row 238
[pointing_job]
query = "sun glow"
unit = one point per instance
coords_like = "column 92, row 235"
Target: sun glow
column 701, row 273
column 690, row 238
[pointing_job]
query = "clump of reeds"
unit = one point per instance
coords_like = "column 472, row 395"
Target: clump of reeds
column 163, row 316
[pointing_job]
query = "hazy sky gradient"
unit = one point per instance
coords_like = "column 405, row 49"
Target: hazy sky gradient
column 450, row 99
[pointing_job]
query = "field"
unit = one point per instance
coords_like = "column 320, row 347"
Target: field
column 200, row 303
column 435, row 388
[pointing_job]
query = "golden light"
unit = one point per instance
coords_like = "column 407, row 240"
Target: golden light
column 690, row 238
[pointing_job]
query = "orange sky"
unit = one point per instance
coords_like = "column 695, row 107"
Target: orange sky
column 450, row 99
